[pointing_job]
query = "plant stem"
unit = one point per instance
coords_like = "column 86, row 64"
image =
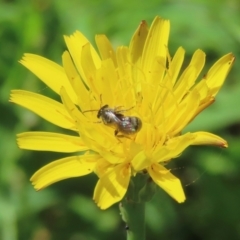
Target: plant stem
column 133, row 215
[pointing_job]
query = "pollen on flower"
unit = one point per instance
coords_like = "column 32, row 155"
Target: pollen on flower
column 143, row 98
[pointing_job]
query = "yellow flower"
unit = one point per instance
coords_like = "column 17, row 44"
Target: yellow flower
column 142, row 78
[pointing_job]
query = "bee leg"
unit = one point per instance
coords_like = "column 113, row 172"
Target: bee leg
column 123, row 110
column 120, row 136
column 116, row 109
column 116, row 134
column 97, row 122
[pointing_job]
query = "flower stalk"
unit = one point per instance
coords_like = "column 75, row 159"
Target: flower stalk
column 132, row 208
column 133, row 214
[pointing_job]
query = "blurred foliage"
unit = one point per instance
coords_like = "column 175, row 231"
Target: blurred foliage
column 65, row 210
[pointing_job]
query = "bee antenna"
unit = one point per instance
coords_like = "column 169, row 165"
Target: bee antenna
column 94, row 110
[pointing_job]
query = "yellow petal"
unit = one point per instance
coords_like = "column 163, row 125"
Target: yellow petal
column 153, row 87
column 52, row 74
column 105, row 48
column 48, row 141
column 45, row 107
column 136, row 48
column 184, row 113
column 165, row 87
column 76, row 81
column 175, row 66
column 217, row 74
column 75, row 44
column 204, row 104
column 102, row 167
column 156, row 44
column 206, row 138
column 112, row 187
column 64, row 168
column 125, row 83
column 167, row 181
column 138, row 41
column 139, row 162
column 190, row 74
column 87, row 62
column 173, row 147
column 106, row 82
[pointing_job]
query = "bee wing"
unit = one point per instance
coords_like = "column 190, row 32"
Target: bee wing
column 116, row 118
column 127, row 126
column 120, row 116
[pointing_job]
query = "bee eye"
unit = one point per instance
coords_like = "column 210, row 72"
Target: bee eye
column 99, row 114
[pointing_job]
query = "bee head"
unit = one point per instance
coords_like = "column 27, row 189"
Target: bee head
column 101, row 110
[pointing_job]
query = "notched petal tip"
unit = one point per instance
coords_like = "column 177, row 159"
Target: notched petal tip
column 143, row 25
column 18, row 143
column 34, row 184
column 205, row 138
column 37, row 189
column 225, row 145
column 24, row 57
column 232, row 58
column 11, row 96
column 99, row 205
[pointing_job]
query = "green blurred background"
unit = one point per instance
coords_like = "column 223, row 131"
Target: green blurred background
column 65, row 210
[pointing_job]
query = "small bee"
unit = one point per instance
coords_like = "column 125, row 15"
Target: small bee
column 127, row 125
